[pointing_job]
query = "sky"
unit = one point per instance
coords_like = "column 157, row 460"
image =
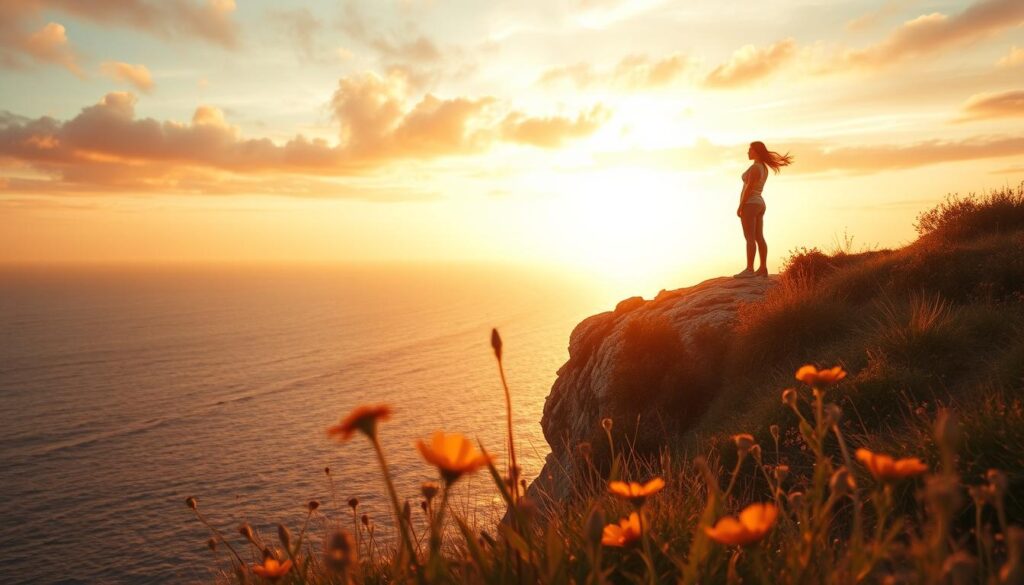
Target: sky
column 601, row 136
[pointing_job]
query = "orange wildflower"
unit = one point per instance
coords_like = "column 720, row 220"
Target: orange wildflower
column 753, row 523
column 635, row 492
column 363, row 419
column 271, row 569
column 625, row 533
column 812, row 376
column 885, row 468
column 453, row 454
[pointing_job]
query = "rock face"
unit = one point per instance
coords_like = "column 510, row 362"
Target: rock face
column 649, row 366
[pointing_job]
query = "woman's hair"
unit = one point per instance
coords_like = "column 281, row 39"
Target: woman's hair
column 771, row 159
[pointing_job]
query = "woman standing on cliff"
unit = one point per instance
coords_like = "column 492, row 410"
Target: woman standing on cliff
column 752, row 207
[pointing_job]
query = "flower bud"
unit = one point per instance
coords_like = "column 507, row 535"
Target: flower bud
column 285, row 536
column 191, row 503
column 595, row 525
column 833, row 414
column 606, row 424
column 313, row 505
column 774, row 430
column 755, row 452
column 997, row 479
column 429, row 489
column 353, row 503
column 212, row 544
column 781, row 473
column 842, row 483
column 789, row 397
column 247, row 533
column 496, row 343
column 795, row 499
column 743, row 442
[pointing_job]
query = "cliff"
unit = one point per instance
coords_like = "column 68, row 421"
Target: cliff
column 650, row 366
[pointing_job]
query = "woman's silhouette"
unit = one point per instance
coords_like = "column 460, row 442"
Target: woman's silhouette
column 751, row 209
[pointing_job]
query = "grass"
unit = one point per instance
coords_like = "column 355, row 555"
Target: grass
column 929, row 341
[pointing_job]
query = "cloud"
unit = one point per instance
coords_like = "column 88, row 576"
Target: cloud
column 1014, row 58
column 872, row 19
column 554, row 131
column 749, row 64
column 209, row 20
column 937, row 32
column 107, row 148
column 983, row 106
column 48, row 44
column 633, row 72
column 301, row 26
column 137, row 75
column 819, row 157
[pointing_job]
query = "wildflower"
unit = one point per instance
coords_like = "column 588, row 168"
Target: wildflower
column 429, row 489
column 191, row 503
column 363, row 419
column 340, row 551
column 789, row 397
column 634, row 492
column 453, row 454
column 625, row 533
column 271, row 569
column 313, row 505
column 885, row 468
column 812, row 376
column 753, row 523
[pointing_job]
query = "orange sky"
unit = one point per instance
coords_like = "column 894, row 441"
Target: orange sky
column 598, row 135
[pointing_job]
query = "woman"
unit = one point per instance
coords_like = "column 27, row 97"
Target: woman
column 751, row 209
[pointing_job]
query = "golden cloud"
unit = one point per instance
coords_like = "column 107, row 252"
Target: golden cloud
column 936, row 32
column 1014, row 58
column 48, row 44
column 105, row 147
column 137, row 75
column 633, row 72
column 993, row 105
column 749, row 64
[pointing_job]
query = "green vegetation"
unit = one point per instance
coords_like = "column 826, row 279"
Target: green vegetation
column 897, row 465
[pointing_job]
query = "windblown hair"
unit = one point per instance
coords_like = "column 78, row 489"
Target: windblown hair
column 771, row 159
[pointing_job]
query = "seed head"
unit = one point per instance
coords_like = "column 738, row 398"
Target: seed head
column 247, row 533
column 606, row 424
column 327, row 470
column 496, row 343
column 340, row 551
column 313, row 505
column 429, row 489
column 743, row 442
column 212, row 544
column 191, row 503
column 353, row 503
column 774, row 430
column 365, row 520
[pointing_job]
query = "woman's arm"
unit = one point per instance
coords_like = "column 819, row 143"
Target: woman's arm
column 743, row 198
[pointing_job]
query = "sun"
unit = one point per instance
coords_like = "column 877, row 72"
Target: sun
column 625, row 224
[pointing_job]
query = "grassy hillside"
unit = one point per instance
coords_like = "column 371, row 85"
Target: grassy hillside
column 770, row 485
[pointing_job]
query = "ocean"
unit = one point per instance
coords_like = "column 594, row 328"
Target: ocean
column 125, row 390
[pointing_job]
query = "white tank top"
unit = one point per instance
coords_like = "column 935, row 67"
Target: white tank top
column 755, row 177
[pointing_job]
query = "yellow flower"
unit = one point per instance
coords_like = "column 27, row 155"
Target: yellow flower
column 885, row 468
column 625, row 533
column 453, row 454
column 635, row 492
column 271, row 569
column 363, row 419
column 753, row 523
column 812, row 376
